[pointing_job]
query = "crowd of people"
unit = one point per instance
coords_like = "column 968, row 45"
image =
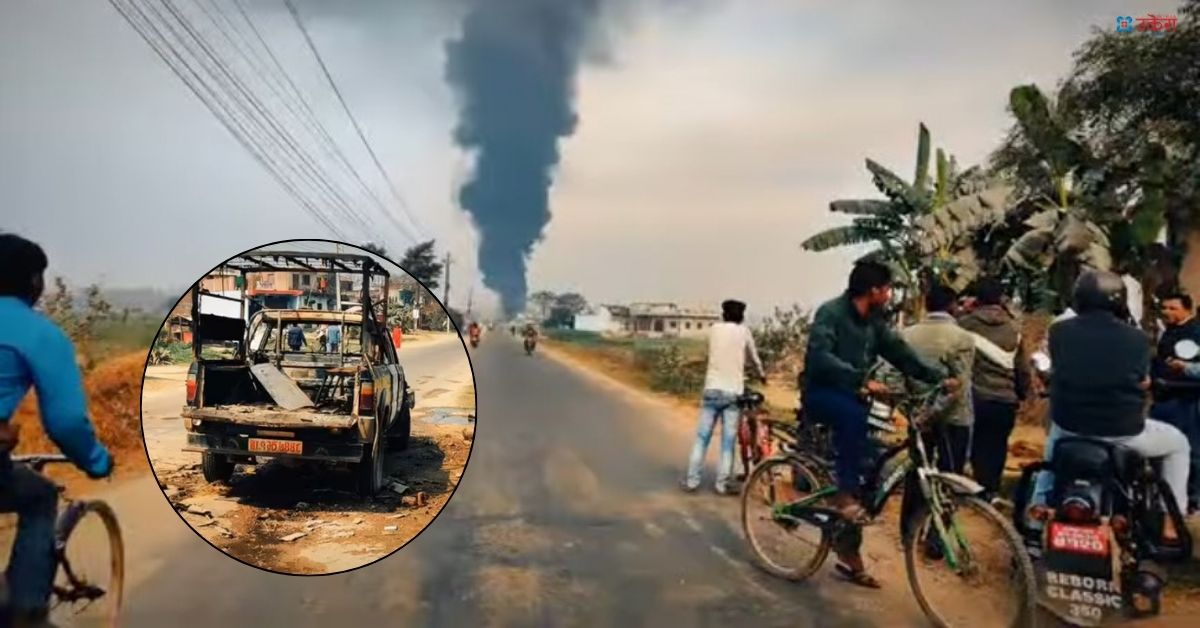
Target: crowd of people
column 1106, row 372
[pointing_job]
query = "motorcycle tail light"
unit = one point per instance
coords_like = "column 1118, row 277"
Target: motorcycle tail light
column 1120, row 525
column 1039, row 512
column 1077, row 510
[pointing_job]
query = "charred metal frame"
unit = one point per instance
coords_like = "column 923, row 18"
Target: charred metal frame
column 304, row 262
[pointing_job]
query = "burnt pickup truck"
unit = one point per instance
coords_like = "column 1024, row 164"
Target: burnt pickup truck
column 251, row 395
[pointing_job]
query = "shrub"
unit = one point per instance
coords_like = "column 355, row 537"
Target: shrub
column 781, row 340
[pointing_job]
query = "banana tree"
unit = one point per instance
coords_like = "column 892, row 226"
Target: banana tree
column 1084, row 211
column 922, row 229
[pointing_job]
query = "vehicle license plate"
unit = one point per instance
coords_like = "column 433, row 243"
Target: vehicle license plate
column 1078, row 539
column 272, row 446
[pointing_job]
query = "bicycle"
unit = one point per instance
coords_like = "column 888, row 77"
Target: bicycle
column 796, row 494
column 74, row 591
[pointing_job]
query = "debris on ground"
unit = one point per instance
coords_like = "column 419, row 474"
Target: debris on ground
column 292, row 537
column 389, row 528
column 398, row 488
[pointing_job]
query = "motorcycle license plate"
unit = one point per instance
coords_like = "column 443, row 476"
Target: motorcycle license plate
column 1078, row 539
column 272, row 446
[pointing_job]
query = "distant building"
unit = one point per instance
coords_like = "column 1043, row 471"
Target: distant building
column 604, row 319
column 670, row 320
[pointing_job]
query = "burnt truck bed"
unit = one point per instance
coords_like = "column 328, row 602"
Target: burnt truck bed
column 265, row 415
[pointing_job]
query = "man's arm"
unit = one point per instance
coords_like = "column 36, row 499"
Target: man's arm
column 822, row 338
column 62, row 403
column 1021, row 374
column 752, row 351
column 895, row 350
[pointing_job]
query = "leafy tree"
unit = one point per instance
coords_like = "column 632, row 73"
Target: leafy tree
column 421, row 262
column 564, row 308
column 543, row 300
column 924, row 229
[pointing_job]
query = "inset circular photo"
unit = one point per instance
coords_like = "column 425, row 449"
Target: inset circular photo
column 308, row 407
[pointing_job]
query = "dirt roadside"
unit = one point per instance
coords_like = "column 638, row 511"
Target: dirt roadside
column 306, row 518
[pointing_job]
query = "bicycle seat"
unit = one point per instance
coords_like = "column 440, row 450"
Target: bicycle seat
column 1091, row 458
column 750, row 399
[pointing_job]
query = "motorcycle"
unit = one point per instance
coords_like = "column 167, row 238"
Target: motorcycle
column 530, row 344
column 1098, row 551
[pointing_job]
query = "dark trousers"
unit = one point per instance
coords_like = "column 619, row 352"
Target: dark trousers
column 994, row 421
column 31, row 565
column 847, row 415
column 1185, row 415
column 950, row 445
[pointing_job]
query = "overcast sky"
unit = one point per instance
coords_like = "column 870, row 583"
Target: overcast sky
column 709, row 144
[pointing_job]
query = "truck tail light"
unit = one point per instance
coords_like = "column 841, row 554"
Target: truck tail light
column 366, row 397
column 191, row 385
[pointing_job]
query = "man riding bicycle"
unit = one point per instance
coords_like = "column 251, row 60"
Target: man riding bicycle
column 1099, row 385
column 848, row 335
column 36, row 353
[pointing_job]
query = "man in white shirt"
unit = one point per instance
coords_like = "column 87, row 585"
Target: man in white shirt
column 729, row 343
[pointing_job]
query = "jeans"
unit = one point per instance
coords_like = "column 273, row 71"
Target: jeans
column 714, row 403
column 994, row 421
column 847, row 415
column 31, row 565
column 1184, row 414
column 1157, row 440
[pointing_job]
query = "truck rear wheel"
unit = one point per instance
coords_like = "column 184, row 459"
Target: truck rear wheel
column 401, row 429
column 217, row 468
column 370, row 471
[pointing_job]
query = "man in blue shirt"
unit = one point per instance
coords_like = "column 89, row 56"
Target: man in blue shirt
column 334, row 338
column 35, row 353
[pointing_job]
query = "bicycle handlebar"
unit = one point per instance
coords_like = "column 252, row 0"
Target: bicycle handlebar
column 37, row 461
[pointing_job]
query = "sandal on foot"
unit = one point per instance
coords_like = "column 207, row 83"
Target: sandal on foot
column 860, row 578
column 855, row 514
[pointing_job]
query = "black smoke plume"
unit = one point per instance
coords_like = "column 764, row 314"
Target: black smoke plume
column 513, row 70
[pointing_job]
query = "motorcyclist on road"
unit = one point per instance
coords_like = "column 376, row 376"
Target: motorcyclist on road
column 531, row 332
column 35, row 353
column 1099, row 383
column 473, row 330
column 848, row 335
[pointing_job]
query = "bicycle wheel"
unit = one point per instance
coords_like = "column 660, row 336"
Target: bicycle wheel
column 91, row 566
column 789, row 548
column 992, row 582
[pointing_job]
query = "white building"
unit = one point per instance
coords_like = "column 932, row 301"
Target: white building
column 604, row 319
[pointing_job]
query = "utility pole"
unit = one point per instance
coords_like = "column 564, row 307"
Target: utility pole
column 446, row 282
column 470, row 300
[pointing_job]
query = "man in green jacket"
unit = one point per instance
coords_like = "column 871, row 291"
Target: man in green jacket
column 848, row 335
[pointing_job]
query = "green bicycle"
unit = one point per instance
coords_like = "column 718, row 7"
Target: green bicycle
column 966, row 564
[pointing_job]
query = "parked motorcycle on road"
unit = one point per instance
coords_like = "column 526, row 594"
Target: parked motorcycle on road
column 1097, row 542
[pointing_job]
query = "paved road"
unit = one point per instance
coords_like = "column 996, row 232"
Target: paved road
column 566, row 515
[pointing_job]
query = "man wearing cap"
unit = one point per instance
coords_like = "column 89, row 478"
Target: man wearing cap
column 729, row 343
